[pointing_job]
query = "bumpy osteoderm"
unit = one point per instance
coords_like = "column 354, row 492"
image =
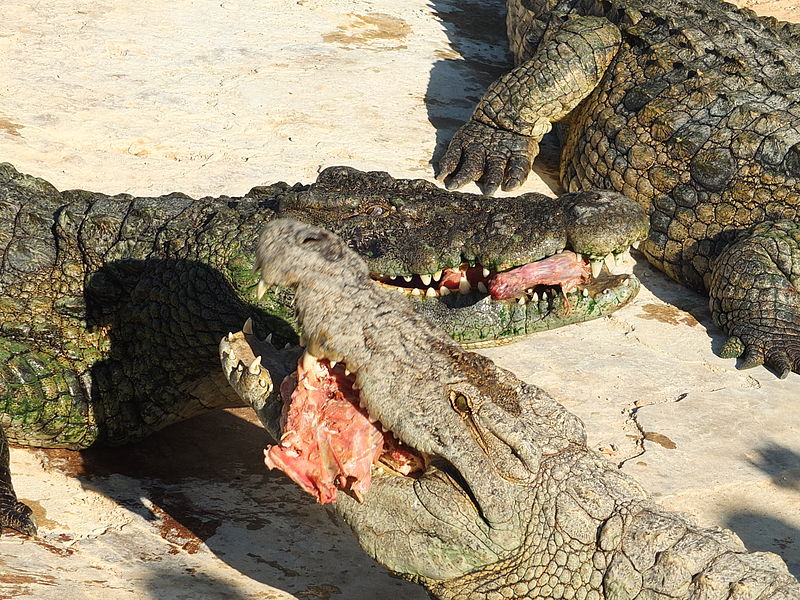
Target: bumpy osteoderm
column 690, row 108
column 507, row 500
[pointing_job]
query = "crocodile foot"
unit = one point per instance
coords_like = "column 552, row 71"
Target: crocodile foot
column 496, row 157
column 755, row 299
column 16, row 515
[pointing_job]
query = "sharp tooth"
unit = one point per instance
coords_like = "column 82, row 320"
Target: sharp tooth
column 529, row 291
column 333, row 364
column 392, row 277
column 464, row 286
column 247, row 328
column 355, row 385
column 309, row 361
column 585, row 292
column 416, row 292
column 609, row 260
column 535, row 297
column 240, row 367
column 521, row 300
column 597, row 265
column 269, row 337
column 255, row 366
column 444, row 290
column 407, row 278
column 486, row 272
column 482, row 288
column 635, row 245
column 229, row 337
column 261, row 289
column 437, row 276
column 426, row 279
column 431, row 293
column 347, row 372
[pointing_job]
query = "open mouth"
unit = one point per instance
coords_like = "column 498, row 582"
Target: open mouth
column 328, row 440
column 566, row 275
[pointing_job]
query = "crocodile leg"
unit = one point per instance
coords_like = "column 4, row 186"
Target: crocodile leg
column 13, row 514
column 754, row 296
column 502, row 138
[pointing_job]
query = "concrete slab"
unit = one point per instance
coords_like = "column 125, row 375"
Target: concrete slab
column 211, row 98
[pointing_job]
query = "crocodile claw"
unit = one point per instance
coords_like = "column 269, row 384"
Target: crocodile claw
column 755, row 299
column 496, row 157
column 782, row 356
column 17, row 516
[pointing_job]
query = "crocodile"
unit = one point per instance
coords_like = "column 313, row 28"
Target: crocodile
column 474, row 484
column 690, row 107
column 111, row 306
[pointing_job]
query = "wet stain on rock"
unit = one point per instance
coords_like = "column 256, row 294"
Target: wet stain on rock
column 660, row 439
column 378, row 30
column 190, row 532
column 10, row 128
column 666, row 313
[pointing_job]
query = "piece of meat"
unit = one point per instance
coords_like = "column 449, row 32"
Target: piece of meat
column 328, row 440
column 566, row 269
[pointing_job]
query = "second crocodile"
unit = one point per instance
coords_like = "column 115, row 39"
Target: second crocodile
column 691, row 107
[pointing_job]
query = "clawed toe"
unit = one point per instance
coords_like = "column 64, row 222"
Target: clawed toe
column 18, row 517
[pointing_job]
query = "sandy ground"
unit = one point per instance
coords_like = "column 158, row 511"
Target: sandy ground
column 218, row 97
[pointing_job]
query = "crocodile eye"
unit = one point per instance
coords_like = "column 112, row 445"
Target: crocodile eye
column 377, row 210
column 461, row 404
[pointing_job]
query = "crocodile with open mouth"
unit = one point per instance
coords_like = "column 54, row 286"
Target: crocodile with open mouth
column 690, row 107
column 451, row 471
column 111, row 307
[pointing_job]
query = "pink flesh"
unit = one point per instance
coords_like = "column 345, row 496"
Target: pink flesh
column 328, row 441
column 566, row 269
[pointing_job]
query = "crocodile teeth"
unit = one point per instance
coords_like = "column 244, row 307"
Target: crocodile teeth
column 416, row 292
column 426, row 279
column 247, row 328
column 333, row 364
column 255, row 366
column 521, row 300
column 482, row 288
column 269, row 338
column 534, row 297
column 635, row 245
column 585, row 292
column 610, row 262
column 431, row 293
column 597, row 266
column 463, row 286
column 444, row 290
column 437, row 276
column 261, row 289
column 229, row 337
column 309, row 361
column 486, row 272
column 407, row 278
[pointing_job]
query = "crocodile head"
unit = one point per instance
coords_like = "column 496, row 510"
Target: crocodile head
column 485, row 270
column 441, row 448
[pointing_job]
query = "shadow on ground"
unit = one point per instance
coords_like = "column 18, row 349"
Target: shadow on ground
column 203, row 481
column 762, row 532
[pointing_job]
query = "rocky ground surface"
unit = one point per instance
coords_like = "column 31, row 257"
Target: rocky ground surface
column 210, row 98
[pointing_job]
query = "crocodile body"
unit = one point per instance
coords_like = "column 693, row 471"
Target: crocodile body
column 692, row 109
column 111, row 308
column 510, row 502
